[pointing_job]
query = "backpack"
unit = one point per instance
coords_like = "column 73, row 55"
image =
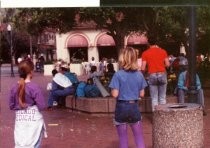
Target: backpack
column 92, row 91
column 80, row 90
column 72, row 77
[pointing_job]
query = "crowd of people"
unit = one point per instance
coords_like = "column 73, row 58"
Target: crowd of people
column 66, row 83
column 127, row 85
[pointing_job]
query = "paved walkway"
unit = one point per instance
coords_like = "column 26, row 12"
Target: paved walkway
column 67, row 129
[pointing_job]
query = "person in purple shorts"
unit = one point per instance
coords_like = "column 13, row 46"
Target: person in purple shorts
column 27, row 100
column 127, row 87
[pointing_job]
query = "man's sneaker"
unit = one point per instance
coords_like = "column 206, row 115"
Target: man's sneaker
column 55, row 103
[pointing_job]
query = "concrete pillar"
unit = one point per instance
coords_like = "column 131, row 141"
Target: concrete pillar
column 178, row 126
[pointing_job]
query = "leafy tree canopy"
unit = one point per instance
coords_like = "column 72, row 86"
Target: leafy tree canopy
column 152, row 2
column 165, row 24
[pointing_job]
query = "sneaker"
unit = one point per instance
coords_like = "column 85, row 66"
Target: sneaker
column 55, row 103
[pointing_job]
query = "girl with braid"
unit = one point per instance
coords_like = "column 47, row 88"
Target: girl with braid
column 27, row 100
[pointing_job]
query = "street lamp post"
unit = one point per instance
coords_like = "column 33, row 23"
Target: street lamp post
column 9, row 29
column 31, row 50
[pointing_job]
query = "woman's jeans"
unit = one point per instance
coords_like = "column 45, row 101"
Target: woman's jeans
column 157, row 87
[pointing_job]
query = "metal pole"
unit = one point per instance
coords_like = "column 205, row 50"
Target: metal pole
column 11, row 54
column 192, row 55
column 0, row 76
column 30, row 40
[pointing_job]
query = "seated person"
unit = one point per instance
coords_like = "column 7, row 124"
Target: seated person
column 61, row 87
column 72, row 76
column 49, row 85
column 110, row 71
column 183, row 87
column 93, row 72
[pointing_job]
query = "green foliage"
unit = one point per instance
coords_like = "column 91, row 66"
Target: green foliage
column 35, row 20
column 152, row 2
column 166, row 24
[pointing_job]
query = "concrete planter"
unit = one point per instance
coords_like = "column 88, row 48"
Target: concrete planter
column 77, row 68
column 48, row 69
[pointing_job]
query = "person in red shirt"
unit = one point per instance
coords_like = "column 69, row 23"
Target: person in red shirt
column 155, row 59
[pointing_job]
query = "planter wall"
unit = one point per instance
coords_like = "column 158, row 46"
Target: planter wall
column 48, row 69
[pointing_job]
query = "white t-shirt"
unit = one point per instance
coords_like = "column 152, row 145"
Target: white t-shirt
column 62, row 80
column 92, row 63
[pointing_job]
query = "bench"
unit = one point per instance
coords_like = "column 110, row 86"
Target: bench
column 106, row 104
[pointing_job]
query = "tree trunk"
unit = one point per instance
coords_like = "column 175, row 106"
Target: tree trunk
column 119, row 43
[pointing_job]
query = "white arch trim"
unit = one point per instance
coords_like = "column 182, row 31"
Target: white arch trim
column 76, row 34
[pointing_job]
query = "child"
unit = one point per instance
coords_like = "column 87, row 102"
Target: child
column 26, row 99
column 127, row 86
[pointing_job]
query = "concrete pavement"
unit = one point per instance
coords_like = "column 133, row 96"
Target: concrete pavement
column 67, row 129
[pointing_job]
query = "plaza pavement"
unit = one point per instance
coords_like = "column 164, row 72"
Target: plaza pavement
column 67, row 129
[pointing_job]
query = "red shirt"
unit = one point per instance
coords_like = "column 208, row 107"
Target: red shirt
column 155, row 59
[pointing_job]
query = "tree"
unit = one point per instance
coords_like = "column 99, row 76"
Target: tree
column 165, row 24
column 203, row 18
column 36, row 20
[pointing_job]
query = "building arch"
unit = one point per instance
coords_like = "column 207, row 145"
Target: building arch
column 77, row 44
column 103, row 39
column 136, row 39
column 106, row 46
column 83, row 40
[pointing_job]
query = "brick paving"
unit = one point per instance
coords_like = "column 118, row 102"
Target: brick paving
column 67, row 129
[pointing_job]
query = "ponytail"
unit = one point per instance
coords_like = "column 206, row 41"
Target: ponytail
column 24, row 68
column 21, row 93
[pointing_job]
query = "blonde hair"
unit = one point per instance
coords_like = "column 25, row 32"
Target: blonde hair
column 24, row 68
column 128, row 59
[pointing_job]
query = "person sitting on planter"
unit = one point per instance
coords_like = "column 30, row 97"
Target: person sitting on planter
column 94, row 72
column 183, row 87
column 108, row 76
column 61, row 87
column 94, row 76
column 72, row 76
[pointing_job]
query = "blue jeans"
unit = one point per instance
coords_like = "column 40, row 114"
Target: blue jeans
column 157, row 87
column 57, row 92
column 182, row 93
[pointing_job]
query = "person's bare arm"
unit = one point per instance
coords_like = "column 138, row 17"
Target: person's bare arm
column 142, row 92
column 115, row 93
column 143, row 66
column 167, row 63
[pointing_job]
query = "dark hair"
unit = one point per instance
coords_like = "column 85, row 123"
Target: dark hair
column 54, row 71
column 25, row 67
column 93, row 69
column 152, row 41
column 110, row 67
column 65, row 69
